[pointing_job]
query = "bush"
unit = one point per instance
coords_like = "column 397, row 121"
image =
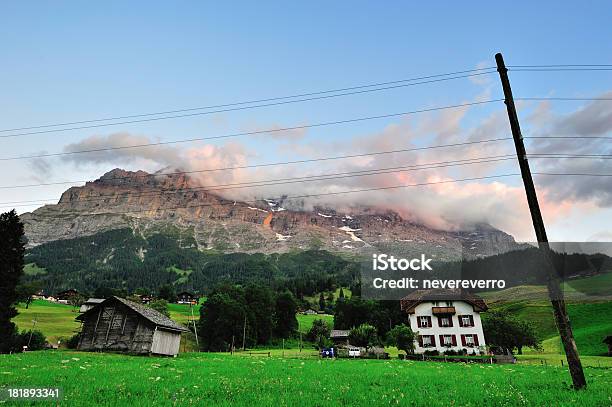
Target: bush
column 73, row 342
column 431, row 353
column 36, row 339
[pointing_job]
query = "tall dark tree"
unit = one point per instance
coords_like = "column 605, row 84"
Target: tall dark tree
column 285, row 322
column 222, row 320
column 11, row 270
column 321, row 302
column 260, row 305
column 509, row 333
column 26, row 292
column 166, row 292
column 319, row 333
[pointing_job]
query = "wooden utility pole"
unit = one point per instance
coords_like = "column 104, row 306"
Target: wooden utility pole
column 244, row 334
column 554, row 287
column 195, row 329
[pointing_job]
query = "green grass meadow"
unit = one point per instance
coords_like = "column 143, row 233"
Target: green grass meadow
column 55, row 320
column 224, row 380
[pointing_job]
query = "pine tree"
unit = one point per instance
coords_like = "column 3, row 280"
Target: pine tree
column 11, row 270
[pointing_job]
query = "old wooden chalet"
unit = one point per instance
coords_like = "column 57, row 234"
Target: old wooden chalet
column 120, row 325
column 66, row 295
column 186, row 298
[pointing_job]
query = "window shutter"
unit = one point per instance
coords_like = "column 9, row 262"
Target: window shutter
column 429, row 322
column 419, row 322
column 441, row 340
column 463, row 342
column 439, row 321
column 450, row 320
column 460, row 318
column 471, row 320
column 454, row 337
column 421, row 341
column 476, row 339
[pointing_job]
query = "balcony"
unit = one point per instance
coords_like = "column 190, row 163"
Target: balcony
column 443, row 310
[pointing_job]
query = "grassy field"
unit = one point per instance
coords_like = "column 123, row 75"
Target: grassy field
column 182, row 312
column 305, row 321
column 591, row 322
column 224, row 380
column 54, row 320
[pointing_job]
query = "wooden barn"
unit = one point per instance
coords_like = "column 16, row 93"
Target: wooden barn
column 119, row 325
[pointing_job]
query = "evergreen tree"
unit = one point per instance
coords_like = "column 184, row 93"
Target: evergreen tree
column 321, row 302
column 341, row 295
column 285, row 322
column 11, row 270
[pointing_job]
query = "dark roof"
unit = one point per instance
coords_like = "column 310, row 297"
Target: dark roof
column 148, row 313
column 339, row 333
column 186, row 293
column 409, row 302
column 92, row 301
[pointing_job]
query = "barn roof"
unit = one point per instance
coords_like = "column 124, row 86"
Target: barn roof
column 409, row 302
column 339, row 333
column 155, row 317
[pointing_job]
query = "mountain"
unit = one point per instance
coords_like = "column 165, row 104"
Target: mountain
column 149, row 204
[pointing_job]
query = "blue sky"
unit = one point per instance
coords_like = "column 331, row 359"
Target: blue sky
column 65, row 61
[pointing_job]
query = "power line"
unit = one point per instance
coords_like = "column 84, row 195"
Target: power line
column 310, row 160
column 561, row 69
column 227, row 202
column 291, row 180
column 570, row 137
column 557, row 155
column 573, row 174
column 230, row 109
column 561, row 66
column 250, row 133
column 563, row 99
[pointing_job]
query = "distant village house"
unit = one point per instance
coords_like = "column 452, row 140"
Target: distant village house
column 66, row 296
column 186, row 298
column 119, row 325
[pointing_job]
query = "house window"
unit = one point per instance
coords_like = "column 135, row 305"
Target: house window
column 469, row 340
column 424, row 322
column 447, row 340
column 445, row 322
column 427, row 341
column 466, row 320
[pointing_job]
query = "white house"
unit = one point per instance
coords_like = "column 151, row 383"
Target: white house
column 445, row 319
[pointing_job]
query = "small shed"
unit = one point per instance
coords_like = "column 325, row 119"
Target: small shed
column 89, row 304
column 339, row 336
column 608, row 341
column 119, row 325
